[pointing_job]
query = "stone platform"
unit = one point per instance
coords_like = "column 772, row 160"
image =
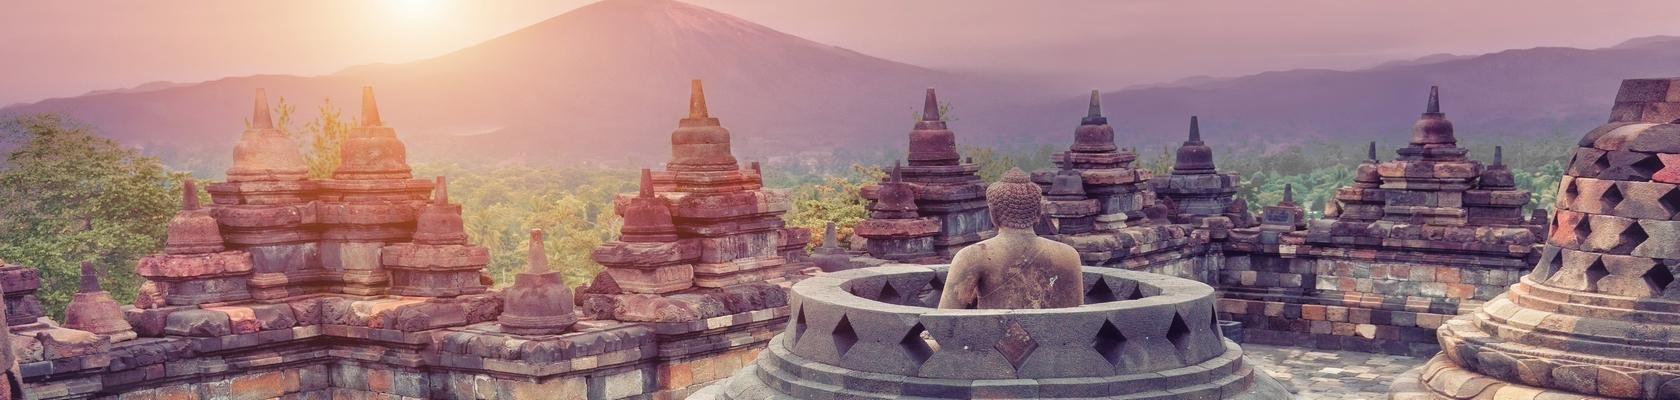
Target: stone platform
column 872, row 333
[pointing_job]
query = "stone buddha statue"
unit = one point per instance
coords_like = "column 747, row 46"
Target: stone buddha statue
column 1015, row 269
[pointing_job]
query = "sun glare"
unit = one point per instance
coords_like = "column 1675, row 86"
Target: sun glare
column 415, row 11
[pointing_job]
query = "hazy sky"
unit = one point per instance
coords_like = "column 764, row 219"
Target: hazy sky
column 58, row 48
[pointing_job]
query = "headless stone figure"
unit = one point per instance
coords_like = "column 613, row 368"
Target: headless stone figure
column 1015, row 269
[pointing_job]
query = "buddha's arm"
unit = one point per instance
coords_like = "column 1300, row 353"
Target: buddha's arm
column 962, row 287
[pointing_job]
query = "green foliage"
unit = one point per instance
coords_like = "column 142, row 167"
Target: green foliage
column 573, row 207
column 73, row 197
column 326, row 135
column 1160, row 164
column 993, row 163
column 833, row 198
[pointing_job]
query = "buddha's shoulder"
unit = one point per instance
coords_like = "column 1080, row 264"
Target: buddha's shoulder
column 1058, row 248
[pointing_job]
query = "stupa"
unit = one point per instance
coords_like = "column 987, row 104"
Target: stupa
column 725, row 227
column 538, row 303
column 270, row 216
column 830, row 257
column 895, row 229
column 372, row 200
column 1410, row 243
column 648, row 257
column 438, row 262
column 93, row 310
column 195, row 267
column 1097, row 202
column 946, row 188
column 1593, row 319
column 1197, row 190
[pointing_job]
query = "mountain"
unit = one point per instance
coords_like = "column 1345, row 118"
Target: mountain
column 606, row 81
column 1527, row 92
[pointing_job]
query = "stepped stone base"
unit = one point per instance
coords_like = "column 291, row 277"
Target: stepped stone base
column 782, row 375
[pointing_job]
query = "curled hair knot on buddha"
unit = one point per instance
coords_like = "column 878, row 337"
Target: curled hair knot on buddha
column 1014, row 200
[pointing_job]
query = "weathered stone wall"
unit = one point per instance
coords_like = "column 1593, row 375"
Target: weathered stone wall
column 1368, row 300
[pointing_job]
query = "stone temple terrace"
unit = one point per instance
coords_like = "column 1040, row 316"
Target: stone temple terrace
column 1095, row 278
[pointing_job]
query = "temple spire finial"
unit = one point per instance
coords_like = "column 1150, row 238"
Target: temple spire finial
column 1067, row 161
column 370, row 108
column 1288, row 194
column 1371, row 152
column 897, row 175
column 90, row 279
column 189, row 194
column 1498, row 156
column 647, row 183
column 1096, row 105
column 930, row 106
column 829, row 239
column 260, row 118
column 538, row 261
column 697, row 101
column 442, row 190
column 1434, row 100
column 1195, row 130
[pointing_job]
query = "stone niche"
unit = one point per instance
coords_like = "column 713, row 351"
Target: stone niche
column 872, row 333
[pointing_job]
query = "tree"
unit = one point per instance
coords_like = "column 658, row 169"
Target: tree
column 326, row 134
column 1161, row 164
column 992, row 163
column 834, row 199
column 71, row 197
column 573, row 206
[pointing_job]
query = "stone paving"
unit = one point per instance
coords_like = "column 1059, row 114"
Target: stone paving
column 1324, row 374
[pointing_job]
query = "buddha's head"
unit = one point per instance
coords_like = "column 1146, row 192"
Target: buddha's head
column 1014, row 201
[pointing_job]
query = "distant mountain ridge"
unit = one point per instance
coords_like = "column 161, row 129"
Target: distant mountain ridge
column 607, row 82
column 1523, row 92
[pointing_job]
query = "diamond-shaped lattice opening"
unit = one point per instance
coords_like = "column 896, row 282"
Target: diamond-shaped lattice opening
column 1016, row 345
column 844, row 336
column 1659, row 277
column 1545, row 268
column 1612, row 197
column 917, row 347
column 1100, row 293
column 1110, row 342
column 1601, row 162
column 1551, row 227
column 1647, row 166
column 1629, row 238
column 929, row 294
column 1213, row 321
column 1570, row 191
column 1583, row 228
column 1136, row 293
column 1179, row 335
column 799, row 325
column 1670, row 202
column 1593, row 273
column 888, row 294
